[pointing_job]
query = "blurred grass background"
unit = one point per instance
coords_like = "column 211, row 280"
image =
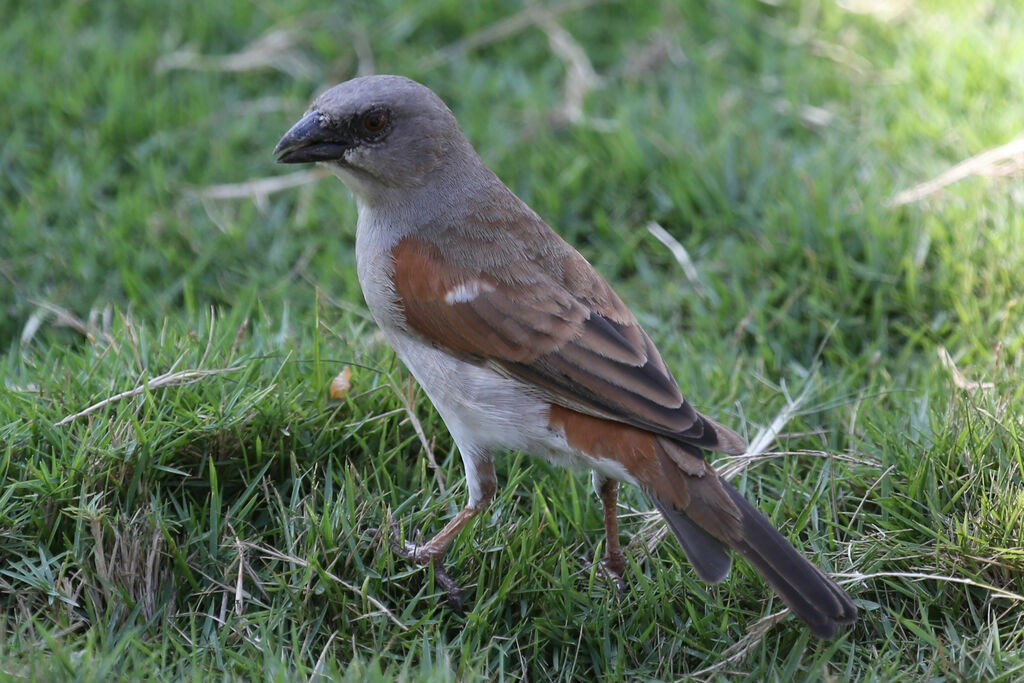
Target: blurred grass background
column 216, row 515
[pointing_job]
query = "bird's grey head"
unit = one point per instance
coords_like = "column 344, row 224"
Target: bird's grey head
column 378, row 133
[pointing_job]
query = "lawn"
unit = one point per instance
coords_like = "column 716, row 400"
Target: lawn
column 815, row 208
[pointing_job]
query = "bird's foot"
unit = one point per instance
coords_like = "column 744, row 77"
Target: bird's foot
column 612, row 566
column 423, row 555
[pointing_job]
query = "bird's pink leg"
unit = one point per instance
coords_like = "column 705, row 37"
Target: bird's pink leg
column 482, row 488
column 614, row 561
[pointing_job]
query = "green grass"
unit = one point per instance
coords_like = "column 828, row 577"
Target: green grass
column 224, row 524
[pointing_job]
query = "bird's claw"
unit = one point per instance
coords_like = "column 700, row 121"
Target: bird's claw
column 410, row 551
column 613, row 568
column 421, row 555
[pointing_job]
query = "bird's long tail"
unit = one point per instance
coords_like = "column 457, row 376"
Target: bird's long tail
column 716, row 516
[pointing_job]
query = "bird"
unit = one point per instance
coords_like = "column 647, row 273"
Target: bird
column 521, row 346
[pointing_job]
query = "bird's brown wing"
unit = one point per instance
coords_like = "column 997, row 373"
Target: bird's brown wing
column 555, row 324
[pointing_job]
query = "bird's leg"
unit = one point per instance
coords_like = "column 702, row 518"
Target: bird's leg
column 614, row 561
column 482, row 485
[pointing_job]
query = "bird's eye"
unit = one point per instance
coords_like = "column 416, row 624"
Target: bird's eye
column 375, row 121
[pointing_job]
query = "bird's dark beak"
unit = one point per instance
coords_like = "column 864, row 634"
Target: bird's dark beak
column 309, row 140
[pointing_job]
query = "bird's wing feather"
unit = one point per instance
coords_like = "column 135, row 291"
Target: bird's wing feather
column 555, row 324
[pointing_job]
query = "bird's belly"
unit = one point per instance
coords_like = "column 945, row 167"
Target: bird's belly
column 480, row 407
column 487, row 411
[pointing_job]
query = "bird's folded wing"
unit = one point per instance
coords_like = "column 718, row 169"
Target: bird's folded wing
column 569, row 336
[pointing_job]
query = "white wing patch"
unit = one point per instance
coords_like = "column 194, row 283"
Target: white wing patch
column 466, row 291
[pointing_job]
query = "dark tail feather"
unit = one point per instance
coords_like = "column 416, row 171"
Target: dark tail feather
column 812, row 596
column 706, row 553
column 806, row 590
